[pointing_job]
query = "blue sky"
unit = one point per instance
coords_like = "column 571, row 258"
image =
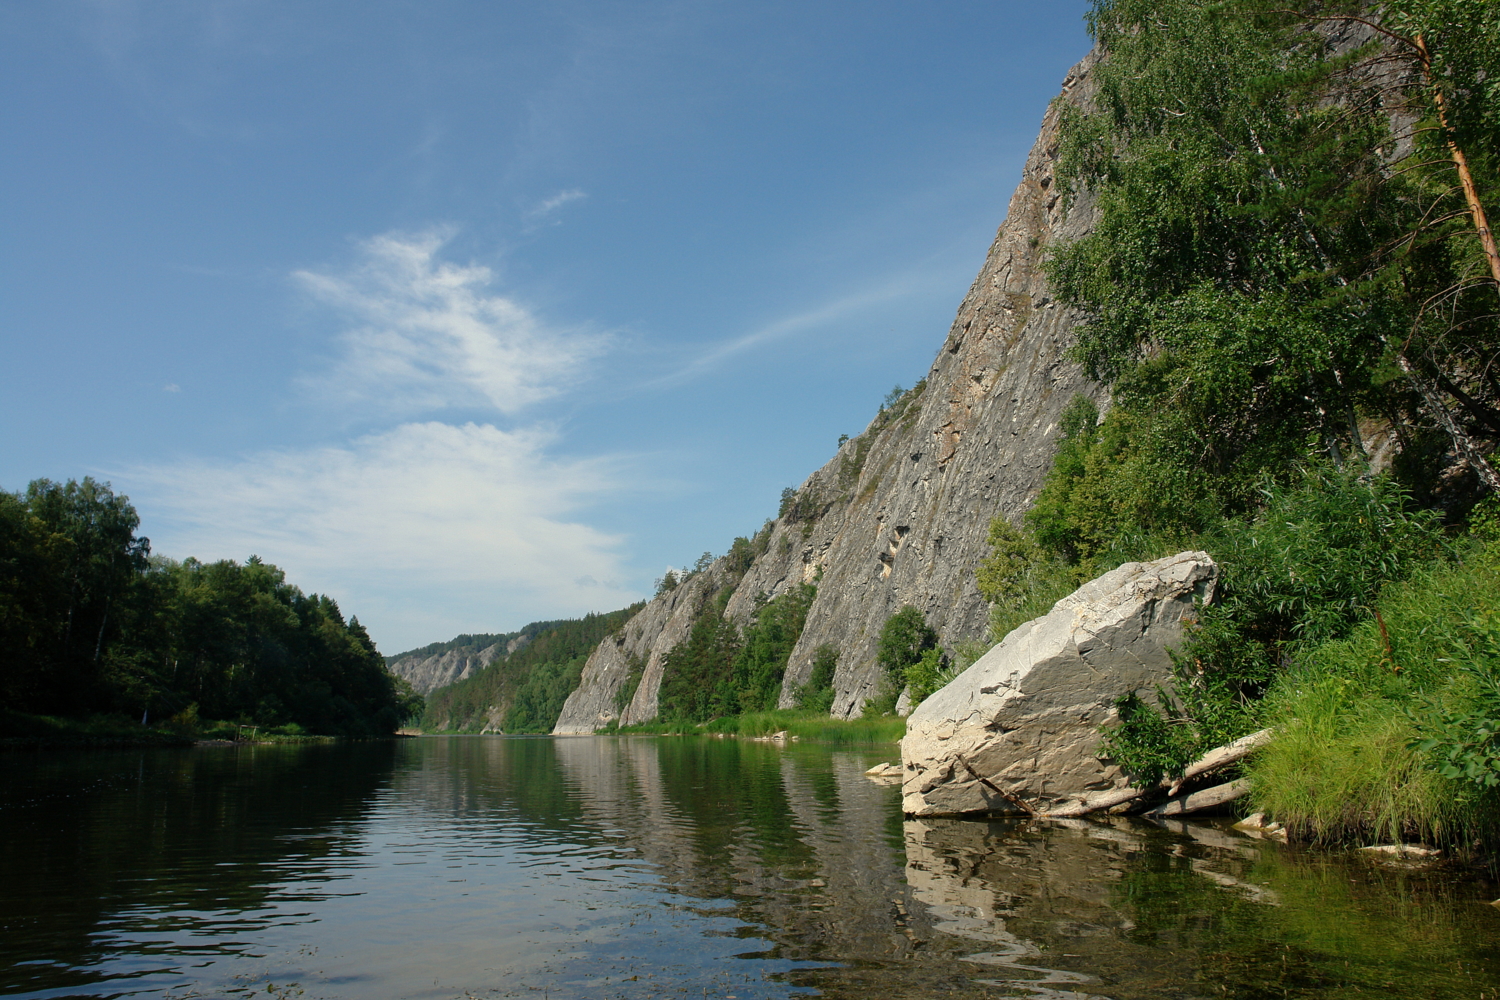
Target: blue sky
column 471, row 314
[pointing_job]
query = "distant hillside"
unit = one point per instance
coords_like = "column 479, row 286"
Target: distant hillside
column 439, row 664
column 521, row 691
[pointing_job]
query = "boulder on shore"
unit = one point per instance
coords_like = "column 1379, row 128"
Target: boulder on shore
column 1026, row 716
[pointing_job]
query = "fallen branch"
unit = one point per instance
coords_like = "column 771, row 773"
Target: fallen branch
column 1199, row 801
column 1019, row 803
column 1211, row 761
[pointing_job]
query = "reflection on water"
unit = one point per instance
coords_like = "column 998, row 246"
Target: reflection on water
column 638, row 867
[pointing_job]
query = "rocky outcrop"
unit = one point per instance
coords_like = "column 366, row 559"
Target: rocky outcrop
column 900, row 515
column 455, row 661
column 428, row 673
column 1023, row 722
column 621, row 679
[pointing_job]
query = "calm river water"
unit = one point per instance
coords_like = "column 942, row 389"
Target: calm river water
column 638, row 867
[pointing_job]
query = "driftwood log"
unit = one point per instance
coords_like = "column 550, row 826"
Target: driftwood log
column 1206, row 799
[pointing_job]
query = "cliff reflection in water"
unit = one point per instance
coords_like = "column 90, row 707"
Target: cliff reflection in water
column 640, row 867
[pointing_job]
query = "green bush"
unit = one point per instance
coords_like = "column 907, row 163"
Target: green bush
column 907, row 650
column 816, row 693
column 1305, row 570
column 1386, row 732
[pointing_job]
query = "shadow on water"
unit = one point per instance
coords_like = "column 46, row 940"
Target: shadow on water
column 638, row 867
column 161, row 843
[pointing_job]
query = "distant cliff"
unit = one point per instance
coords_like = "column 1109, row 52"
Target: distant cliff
column 899, row 516
column 442, row 663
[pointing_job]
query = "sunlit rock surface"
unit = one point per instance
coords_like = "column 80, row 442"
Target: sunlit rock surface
column 1026, row 715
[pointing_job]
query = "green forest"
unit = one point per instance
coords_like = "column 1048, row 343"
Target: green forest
column 93, row 624
column 1291, row 262
column 524, row 692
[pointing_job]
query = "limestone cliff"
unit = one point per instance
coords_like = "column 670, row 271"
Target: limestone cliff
column 429, row 670
column 900, row 514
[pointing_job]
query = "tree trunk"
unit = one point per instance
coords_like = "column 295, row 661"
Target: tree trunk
column 1461, row 163
column 1444, row 416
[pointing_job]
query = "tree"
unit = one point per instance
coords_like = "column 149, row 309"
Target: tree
column 1269, row 240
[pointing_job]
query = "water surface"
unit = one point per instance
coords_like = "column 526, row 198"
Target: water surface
column 639, row 867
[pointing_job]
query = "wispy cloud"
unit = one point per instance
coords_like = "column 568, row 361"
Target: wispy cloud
column 835, row 311
column 555, row 202
column 426, row 334
column 424, row 530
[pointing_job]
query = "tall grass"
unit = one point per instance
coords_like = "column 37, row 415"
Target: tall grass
column 1350, row 715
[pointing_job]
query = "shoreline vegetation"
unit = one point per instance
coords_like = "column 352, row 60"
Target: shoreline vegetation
column 20, row 730
column 799, row 724
column 93, row 625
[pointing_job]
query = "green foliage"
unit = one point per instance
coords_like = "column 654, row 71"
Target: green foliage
column 904, row 637
column 1123, row 484
column 718, row 672
column 635, row 669
column 1461, row 730
column 767, row 645
column 1313, row 560
column 816, row 693
column 801, row 724
column 1145, row 743
column 1368, row 724
column 1305, row 571
column 806, row 505
column 929, row 673
column 1020, row 579
column 92, row 624
column 908, row 654
column 698, row 673
column 1261, row 270
column 525, row 691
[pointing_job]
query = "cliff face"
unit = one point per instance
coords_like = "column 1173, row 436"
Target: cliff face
column 428, row 673
column 900, row 515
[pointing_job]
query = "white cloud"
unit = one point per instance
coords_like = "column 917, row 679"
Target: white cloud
column 555, row 202
column 426, row 336
column 424, row 531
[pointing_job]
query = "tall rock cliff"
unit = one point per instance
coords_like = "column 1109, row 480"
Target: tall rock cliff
column 900, row 515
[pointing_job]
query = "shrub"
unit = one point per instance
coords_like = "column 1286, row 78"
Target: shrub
column 1304, row 571
column 816, row 693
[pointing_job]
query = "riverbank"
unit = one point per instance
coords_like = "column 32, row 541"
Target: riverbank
column 24, row 731
column 816, row 727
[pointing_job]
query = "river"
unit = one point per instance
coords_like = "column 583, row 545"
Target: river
column 636, row 867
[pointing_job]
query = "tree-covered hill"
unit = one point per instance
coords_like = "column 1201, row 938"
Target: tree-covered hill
column 525, row 691
column 92, row 623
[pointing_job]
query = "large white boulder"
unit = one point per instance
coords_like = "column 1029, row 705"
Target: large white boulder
column 1026, row 716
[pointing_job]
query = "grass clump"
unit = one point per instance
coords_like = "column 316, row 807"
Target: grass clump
column 1389, row 732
